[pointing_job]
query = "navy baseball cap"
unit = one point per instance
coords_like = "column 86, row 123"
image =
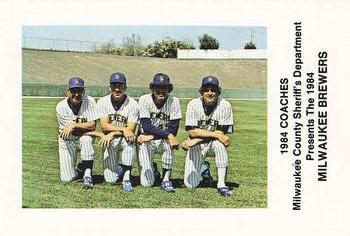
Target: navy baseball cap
column 210, row 80
column 76, row 82
column 161, row 79
column 117, row 78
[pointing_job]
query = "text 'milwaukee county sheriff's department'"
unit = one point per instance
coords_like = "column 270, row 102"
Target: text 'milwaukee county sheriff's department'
column 303, row 121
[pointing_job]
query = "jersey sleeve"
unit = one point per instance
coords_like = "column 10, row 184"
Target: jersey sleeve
column 144, row 108
column 191, row 115
column 226, row 118
column 134, row 113
column 101, row 108
column 175, row 112
column 58, row 112
column 61, row 118
column 92, row 112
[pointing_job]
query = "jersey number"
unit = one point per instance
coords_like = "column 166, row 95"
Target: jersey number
column 80, row 120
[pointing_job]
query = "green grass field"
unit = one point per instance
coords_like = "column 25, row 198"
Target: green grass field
column 45, row 67
column 42, row 187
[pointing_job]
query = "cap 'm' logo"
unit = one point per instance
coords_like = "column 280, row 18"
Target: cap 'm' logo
column 76, row 81
column 117, row 76
column 161, row 78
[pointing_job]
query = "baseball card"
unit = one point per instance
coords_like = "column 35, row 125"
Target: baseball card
column 172, row 118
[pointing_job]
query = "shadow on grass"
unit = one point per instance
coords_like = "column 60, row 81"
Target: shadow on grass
column 230, row 185
column 98, row 179
column 177, row 183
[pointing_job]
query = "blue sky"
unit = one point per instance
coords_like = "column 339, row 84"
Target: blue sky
column 230, row 37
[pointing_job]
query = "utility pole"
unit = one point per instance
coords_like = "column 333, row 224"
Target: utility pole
column 251, row 35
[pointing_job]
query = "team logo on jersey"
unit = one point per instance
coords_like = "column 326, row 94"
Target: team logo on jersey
column 160, row 115
column 209, row 124
column 117, row 118
column 160, row 119
column 80, row 120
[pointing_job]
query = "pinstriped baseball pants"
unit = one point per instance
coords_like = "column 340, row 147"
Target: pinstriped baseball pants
column 196, row 155
column 111, row 157
column 68, row 149
column 145, row 157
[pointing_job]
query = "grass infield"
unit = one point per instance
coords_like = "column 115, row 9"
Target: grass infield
column 41, row 186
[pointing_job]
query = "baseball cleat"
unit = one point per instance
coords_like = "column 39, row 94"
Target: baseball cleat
column 87, row 182
column 206, row 175
column 167, row 186
column 156, row 172
column 224, row 191
column 127, row 187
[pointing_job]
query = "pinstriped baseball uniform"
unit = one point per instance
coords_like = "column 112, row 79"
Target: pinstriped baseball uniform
column 196, row 117
column 68, row 148
column 128, row 112
column 160, row 118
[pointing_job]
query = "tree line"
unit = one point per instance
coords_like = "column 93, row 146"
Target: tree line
column 165, row 48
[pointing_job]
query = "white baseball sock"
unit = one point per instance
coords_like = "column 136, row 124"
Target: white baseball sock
column 126, row 176
column 87, row 172
column 221, row 177
column 167, row 175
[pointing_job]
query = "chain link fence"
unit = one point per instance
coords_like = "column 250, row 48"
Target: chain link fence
column 60, row 44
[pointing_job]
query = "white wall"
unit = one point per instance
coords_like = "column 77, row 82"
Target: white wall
column 222, row 54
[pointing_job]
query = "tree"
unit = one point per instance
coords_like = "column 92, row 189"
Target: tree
column 208, row 42
column 166, row 48
column 250, row 45
column 109, row 47
column 132, row 45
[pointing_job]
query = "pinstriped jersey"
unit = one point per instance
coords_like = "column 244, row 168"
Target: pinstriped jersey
column 160, row 118
column 220, row 116
column 65, row 115
column 127, row 112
